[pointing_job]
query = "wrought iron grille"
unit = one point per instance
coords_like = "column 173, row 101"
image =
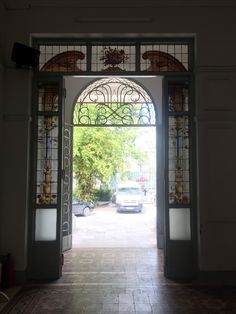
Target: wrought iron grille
column 114, row 101
column 115, row 57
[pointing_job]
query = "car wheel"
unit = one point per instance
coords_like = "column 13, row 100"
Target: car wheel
column 86, row 211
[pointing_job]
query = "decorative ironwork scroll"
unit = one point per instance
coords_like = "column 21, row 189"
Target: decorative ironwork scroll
column 114, row 101
column 67, row 188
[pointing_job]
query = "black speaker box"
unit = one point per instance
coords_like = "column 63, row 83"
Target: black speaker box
column 24, row 55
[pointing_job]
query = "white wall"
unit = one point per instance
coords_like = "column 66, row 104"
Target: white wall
column 216, row 121
column 214, row 31
column 15, row 150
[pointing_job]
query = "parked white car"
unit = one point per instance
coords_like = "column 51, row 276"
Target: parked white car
column 129, row 198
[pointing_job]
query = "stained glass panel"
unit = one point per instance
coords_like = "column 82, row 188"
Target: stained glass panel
column 179, row 178
column 47, row 160
column 167, row 57
column 62, row 58
column 178, row 98
column 113, row 58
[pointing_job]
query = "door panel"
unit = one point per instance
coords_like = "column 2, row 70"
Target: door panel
column 180, row 261
column 45, row 259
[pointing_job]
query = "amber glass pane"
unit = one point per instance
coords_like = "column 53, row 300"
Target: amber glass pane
column 48, row 97
column 167, row 57
column 62, row 58
column 178, row 100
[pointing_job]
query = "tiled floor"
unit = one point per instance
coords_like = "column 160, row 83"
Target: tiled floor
column 124, row 279
column 10, row 293
column 120, row 281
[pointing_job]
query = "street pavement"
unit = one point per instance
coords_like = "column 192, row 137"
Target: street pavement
column 107, row 228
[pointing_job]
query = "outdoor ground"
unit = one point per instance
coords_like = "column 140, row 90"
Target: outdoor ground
column 107, row 228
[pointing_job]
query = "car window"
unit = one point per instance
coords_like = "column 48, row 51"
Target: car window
column 130, row 190
column 75, row 201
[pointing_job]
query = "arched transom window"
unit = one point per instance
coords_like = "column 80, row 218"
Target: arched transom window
column 114, row 101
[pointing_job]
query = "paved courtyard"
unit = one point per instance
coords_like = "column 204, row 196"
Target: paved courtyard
column 107, row 228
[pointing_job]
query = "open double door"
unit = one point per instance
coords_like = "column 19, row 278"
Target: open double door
column 51, row 180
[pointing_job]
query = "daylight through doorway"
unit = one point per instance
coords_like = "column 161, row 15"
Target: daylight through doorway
column 104, row 226
column 114, row 146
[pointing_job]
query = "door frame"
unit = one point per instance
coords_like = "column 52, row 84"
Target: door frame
column 167, row 76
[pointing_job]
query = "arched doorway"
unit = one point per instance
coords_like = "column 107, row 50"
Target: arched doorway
column 107, row 106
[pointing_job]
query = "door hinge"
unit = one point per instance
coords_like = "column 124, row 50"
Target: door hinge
column 63, row 173
column 64, row 92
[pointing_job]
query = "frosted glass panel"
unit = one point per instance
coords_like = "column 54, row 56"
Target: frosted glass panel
column 46, row 224
column 179, row 224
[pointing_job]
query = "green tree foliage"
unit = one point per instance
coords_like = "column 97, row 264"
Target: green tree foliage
column 99, row 153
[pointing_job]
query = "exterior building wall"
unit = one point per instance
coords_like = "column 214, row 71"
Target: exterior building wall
column 212, row 24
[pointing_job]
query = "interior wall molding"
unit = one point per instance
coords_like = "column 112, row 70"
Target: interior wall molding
column 214, row 122
column 113, row 20
column 215, row 68
column 28, row 4
column 134, row 3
